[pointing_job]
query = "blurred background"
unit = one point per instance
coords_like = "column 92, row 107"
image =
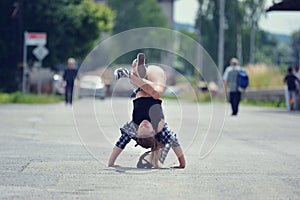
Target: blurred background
column 264, row 35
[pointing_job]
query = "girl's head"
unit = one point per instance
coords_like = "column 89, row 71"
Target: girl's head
column 145, row 129
column 146, row 139
column 145, row 134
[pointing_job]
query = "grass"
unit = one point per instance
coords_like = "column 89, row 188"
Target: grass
column 278, row 104
column 205, row 97
column 262, row 76
column 17, row 97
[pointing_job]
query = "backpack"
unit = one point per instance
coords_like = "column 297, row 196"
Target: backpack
column 242, row 80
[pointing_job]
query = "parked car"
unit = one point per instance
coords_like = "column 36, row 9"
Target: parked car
column 91, row 86
column 58, row 84
column 122, row 88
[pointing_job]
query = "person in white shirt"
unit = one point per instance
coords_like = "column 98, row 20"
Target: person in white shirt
column 230, row 79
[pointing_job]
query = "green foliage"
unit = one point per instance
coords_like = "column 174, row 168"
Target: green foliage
column 240, row 17
column 208, row 20
column 10, row 46
column 296, row 47
column 136, row 13
column 253, row 10
column 72, row 27
column 17, row 97
column 204, row 97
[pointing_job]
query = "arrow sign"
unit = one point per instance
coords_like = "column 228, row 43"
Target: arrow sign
column 40, row 52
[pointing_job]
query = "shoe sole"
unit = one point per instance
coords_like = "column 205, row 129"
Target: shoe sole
column 141, row 68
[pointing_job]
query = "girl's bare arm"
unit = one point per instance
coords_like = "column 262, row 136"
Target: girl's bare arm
column 114, row 155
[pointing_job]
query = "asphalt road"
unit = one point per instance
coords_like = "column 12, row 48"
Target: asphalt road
column 60, row 152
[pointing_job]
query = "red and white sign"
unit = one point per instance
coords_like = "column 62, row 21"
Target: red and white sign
column 35, row 39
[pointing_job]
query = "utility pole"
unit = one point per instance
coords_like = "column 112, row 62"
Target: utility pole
column 24, row 81
column 221, row 35
column 199, row 58
column 254, row 19
column 298, row 55
column 239, row 44
column 252, row 43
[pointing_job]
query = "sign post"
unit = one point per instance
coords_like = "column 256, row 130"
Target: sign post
column 33, row 39
column 40, row 53
column 24, row 65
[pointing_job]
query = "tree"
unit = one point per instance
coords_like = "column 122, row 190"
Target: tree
column 183, row 66
column 208, row 23
column 72, row 29
column 135, row 14
column 9, row 45
column 268, row 48
column 296, row 47
column 254, row 9
column 241, row 30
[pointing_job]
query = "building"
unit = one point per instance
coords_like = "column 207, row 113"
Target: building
column 168, row 10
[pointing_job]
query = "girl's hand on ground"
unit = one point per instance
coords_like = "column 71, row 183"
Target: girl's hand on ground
column 177, row 167
column 114, row 166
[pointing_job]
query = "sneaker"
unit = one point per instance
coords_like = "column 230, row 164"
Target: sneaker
column 144, row 162
column 141, row 67
column 121, row 73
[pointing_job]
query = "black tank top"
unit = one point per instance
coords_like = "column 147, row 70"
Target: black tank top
column 147, row 108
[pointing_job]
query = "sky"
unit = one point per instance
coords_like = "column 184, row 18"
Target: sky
column 185, row 11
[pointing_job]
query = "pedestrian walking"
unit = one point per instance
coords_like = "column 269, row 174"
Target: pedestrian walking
column 69, row 77
column 230, row 79
column 291, row 84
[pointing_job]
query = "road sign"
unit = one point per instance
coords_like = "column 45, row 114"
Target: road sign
column 40, row 52
column 32, row 39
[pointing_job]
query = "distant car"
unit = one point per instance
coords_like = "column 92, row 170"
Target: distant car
column 58, row 84
column 91, row 86
column 122, row 88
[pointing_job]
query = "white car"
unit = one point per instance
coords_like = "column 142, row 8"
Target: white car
column 58, row 84
column 91, row 86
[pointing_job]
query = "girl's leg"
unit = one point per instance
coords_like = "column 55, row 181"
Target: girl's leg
column 287, row 98
column 293, row 93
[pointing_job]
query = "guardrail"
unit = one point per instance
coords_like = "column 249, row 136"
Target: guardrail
column 275, row 95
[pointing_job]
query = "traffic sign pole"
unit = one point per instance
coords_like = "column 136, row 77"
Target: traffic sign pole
column 39, row 81
column 34, row 39
column 40, row 53
column 24, row 65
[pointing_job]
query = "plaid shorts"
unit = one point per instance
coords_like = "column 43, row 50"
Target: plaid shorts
column 167, row 137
